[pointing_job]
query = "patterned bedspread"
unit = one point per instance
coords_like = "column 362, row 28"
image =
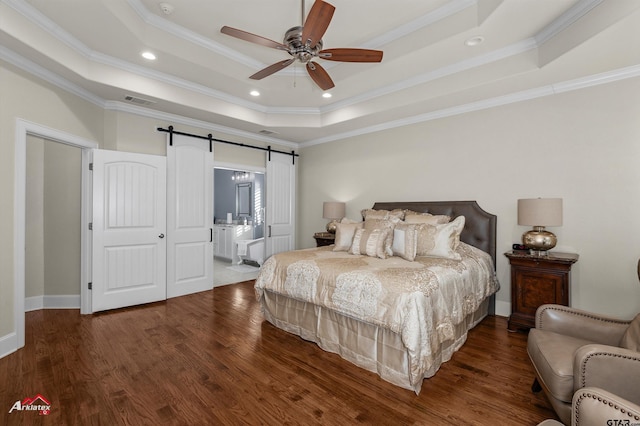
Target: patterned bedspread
column 421, row 300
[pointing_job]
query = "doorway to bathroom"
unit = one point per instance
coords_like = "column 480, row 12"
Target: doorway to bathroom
column 239, row 223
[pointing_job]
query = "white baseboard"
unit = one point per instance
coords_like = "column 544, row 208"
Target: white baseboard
column 503, row 309
column 34, row 303
column 8, row 344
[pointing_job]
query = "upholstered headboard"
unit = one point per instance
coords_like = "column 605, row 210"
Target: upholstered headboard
column 480, row 226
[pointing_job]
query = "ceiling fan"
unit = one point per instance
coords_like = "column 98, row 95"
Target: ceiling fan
column 305, row 43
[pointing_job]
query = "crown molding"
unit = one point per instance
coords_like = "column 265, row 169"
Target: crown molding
column 539, row 92
column 191, row 36
column 565, row 20
column 173, row 119
column 448, row 9
column 30, row 67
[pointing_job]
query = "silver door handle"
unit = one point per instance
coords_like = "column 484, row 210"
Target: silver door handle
column 161, row 236
column 269, row 231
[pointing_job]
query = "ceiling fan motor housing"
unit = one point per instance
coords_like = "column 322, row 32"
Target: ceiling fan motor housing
column 297, row 49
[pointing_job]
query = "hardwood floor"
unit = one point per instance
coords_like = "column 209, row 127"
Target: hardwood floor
column 210, row 358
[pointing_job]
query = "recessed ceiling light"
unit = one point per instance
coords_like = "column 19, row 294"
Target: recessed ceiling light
column 254, row 93
column 326, row 95
column 148, row 55
column 474, row 41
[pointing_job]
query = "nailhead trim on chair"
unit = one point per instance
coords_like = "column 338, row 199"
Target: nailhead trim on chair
column 561, row 309
column 588, row 357
column 604, row 401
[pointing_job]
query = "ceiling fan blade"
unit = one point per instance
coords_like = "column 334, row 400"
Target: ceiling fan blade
column 243, row 35
column 272, row 69
column 319, row 75
column 317, row 22
column 351, row 55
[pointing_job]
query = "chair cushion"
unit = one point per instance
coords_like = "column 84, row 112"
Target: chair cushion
column 631, row 337
column 552, row 356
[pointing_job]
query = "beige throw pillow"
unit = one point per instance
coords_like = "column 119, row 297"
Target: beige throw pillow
column 344, row 235
column 371, row 224
column 396, row 214
column 370, row 242
column 440, row 240
column 428, row 218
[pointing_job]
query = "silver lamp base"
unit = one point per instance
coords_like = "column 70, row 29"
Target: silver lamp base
column 539, row 240
column 331, row 226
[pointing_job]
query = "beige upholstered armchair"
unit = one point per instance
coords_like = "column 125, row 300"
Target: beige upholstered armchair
column 572, row 349
column 596, row 407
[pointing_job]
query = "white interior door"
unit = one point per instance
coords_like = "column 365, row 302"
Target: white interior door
column 189, row 216
column 281, row 203
column 129, row 225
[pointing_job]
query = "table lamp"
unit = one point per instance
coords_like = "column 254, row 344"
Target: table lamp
column 539, row 212
column 333, row 210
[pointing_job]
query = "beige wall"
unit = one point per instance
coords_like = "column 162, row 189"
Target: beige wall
column 29, row 98
column 582, row 146
column 34, row 236
column 62, row 202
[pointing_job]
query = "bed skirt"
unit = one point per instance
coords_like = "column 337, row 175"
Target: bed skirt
column 368, row 346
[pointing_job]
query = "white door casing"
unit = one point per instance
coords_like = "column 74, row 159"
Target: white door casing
column 129, row 227
column 189, row 215
column 281, row 203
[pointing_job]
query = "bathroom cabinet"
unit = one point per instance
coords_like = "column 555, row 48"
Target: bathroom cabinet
column 225, row 237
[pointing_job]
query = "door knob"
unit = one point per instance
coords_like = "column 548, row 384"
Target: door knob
column 161, row 236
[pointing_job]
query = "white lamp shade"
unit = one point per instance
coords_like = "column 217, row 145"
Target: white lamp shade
column 540, row 211
column 333, row 210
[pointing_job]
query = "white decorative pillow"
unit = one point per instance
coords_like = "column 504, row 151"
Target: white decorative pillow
column 344, row 235
column 428, row 218
column 370, row 242
column 440, row 240
column 405, row 241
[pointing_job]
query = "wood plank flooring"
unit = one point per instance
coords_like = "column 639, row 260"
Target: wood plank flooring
column 211, row 359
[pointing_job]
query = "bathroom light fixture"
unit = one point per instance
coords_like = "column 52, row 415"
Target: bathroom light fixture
column 240, row 176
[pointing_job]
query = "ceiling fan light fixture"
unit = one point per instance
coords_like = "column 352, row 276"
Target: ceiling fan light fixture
column 304, row 43
column 326, row 95
column 254, row 93
column 148, row 55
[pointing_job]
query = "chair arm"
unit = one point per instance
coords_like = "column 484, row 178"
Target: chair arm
column 615, row 370
column 581, row 324
column 593, row 406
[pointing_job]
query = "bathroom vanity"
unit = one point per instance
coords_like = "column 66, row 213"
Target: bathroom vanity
column 225, row 237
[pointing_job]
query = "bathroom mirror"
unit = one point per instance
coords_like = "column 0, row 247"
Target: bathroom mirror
column 243, row 199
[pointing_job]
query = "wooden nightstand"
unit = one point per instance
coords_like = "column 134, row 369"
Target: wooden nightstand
column 536, row 280
column 324, row 238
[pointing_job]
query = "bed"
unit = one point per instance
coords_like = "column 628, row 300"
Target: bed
column 398, row 318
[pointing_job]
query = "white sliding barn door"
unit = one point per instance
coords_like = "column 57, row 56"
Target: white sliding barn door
column 189, row 215
column 129, row 226
column 281, row 203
